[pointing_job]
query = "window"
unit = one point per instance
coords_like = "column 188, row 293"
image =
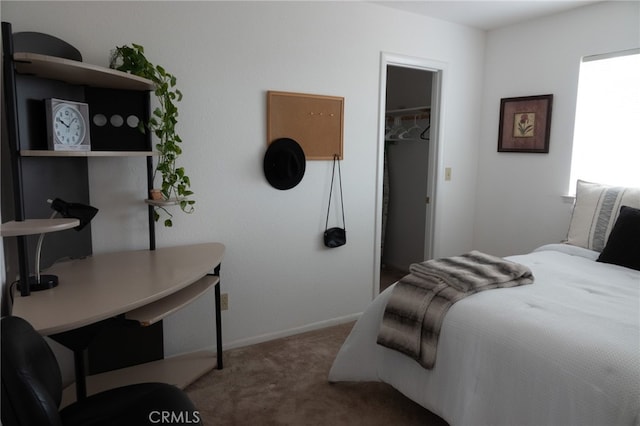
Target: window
column 606, row 140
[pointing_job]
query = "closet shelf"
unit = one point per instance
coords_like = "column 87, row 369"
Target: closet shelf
column 408, row 111
column 397, row 131
column 393, row 140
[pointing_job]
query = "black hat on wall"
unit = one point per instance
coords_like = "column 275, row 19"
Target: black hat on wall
column 284, row 163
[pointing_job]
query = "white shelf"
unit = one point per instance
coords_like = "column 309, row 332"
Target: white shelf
column 180, row 371
column 76, row 72
column 36, row 226
column 47, row 153
column 407, row 111
column 164, row 203
column 406, row 140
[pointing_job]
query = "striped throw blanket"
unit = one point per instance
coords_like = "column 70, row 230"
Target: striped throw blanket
column 419, row 301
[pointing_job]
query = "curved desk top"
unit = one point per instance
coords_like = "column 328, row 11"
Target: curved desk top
column 105, row 285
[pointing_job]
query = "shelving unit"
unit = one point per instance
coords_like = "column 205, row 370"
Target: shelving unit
column 30, row 76
column 38, row 67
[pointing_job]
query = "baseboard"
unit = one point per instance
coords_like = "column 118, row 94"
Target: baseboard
column 290, row 332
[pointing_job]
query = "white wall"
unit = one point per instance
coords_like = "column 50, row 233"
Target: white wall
column 226, row 56
column 519, row 195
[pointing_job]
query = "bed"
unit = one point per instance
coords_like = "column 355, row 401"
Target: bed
column 564, row 350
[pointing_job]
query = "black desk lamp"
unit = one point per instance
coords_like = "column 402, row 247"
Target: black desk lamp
column 84, row 214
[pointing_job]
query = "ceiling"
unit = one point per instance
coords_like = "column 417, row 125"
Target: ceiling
column 485, row 15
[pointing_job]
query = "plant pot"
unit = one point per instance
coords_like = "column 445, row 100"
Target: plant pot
column 156, row 194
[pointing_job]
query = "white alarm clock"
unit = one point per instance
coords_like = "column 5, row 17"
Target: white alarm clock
column 67, row 125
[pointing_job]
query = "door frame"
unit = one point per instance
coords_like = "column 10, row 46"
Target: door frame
column 435, row 154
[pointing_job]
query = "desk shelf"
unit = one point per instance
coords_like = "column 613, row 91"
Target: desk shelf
column 50, row 153
column 36, row 226
column 150, row 314
column 180, row 371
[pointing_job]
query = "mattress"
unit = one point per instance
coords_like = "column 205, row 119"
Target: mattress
column 562, row 351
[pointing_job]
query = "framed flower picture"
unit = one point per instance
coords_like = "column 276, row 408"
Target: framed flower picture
column 525, row 124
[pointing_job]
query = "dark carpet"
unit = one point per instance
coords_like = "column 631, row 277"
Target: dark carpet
column 284, row 382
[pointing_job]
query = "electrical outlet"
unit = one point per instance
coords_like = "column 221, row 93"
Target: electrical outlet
column 224, row 301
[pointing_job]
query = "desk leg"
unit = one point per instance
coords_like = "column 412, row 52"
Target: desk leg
column 218, row 327
column 78, row 341
column 81, row 380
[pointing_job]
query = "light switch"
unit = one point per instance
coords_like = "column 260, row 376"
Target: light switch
column 447, row 173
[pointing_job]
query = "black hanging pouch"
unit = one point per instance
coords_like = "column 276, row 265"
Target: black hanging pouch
column 335, row 237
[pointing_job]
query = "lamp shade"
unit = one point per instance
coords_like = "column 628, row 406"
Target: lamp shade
column 84, row 213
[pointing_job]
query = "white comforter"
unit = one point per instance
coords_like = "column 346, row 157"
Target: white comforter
column 562, row 351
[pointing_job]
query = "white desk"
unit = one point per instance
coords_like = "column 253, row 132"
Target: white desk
column 144, row 285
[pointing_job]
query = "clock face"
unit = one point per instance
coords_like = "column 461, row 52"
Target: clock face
column 69, row 127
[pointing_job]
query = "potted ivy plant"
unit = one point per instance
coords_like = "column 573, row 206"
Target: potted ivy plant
column 175, row 183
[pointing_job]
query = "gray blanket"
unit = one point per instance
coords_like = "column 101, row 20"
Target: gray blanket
column 419, row 301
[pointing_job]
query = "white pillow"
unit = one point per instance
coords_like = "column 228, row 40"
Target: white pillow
column 595, row 212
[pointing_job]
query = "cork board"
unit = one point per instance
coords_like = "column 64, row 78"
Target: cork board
column 314, row 121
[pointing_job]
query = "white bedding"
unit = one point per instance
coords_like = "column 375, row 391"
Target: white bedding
column 562, row 351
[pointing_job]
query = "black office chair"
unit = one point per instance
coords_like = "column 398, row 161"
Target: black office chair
column 32, row 390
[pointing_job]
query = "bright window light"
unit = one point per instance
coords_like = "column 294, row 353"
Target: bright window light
column 606, row 140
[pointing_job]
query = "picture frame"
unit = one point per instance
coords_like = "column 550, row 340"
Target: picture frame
column 525, row 124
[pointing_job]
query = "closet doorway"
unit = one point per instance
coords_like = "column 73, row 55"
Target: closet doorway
column 409, row 170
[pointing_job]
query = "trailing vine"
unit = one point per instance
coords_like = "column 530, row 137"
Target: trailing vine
column 175, row 183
